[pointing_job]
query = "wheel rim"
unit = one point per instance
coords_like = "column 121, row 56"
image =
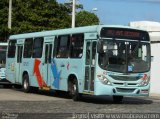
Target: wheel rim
column 73, row 89
column 25, row 84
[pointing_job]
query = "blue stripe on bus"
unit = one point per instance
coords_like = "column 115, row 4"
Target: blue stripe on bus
column 56, row 75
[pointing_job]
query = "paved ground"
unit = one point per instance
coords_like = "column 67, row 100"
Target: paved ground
column 15, row 101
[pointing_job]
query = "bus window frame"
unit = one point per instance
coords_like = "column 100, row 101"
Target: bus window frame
column 28, row 50
column 38, row 50
column 76, row 37
column 65, row 52
column 11, row 49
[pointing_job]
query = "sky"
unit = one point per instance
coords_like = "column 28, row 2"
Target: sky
column 121, row 12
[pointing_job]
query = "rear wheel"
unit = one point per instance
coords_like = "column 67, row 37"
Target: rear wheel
column 117, row 99
column 73, row 90
column 26, row 84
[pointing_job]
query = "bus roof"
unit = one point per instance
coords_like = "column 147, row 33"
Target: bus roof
column 84, row 29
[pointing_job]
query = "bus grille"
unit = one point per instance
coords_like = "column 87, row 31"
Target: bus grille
column 125, row 78
column 125, row 90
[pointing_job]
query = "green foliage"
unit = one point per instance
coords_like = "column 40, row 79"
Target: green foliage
column 84, row 18
column 4, row 31
column 33, row 15
column 38, row 15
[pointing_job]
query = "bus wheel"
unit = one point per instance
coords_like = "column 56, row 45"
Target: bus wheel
column 26, row 85
column 73, row 90
column 117, row 99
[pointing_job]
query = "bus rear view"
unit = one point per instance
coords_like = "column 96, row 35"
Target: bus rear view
column 123, row 66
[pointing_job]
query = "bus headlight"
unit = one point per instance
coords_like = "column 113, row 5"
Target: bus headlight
column 104, row 80
column 145, row 81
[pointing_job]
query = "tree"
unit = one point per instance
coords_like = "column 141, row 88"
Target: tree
column 33, row 15
column 38, row 15
column 3, row 20
column 69, row 4
column 85, row 18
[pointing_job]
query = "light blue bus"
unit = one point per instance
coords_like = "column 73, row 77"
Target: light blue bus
column 94, row 60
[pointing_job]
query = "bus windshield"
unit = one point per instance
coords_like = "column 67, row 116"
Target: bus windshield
column 124, row 56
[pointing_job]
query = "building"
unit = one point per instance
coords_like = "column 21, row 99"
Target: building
column 154, row 31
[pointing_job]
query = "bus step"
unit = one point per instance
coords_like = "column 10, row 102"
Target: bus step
column 46, row 88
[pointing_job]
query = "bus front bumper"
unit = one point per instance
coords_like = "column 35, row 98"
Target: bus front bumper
column 101, row 89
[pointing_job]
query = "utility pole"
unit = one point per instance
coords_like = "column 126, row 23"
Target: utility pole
column 73, row 13
column 10, row 15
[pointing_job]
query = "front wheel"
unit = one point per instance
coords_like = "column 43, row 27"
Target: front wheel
column 73, row 90
column 26, row 84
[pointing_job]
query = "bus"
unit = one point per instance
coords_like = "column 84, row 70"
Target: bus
column 3, row 49
column 93, row 60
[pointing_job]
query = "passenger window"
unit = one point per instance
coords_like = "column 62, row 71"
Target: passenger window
column 63, row 46
column 38, row 47
column 88, row 53
column 11, row 48
column 94, row 44
column 76, row 49
column 28, row 47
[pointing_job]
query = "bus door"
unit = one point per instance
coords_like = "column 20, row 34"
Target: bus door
column 47, row 62
column 19, row 63
column 90, row 65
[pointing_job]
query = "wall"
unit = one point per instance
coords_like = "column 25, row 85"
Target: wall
column 155, row 68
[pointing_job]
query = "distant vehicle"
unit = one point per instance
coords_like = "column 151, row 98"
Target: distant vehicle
column 3, row 49
column 94, row 60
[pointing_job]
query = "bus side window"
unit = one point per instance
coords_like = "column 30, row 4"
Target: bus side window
column 94, row 44
column 55, row 46
column 63, row 46
column 38, row 47
column 11, row 49
column 28, row 47
column 76, row 49
column 88, row 45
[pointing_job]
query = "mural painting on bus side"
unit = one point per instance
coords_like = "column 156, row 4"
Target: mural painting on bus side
column 56, row 74
column 38, row 75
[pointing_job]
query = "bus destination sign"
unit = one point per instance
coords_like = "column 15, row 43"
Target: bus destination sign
column 124, row 34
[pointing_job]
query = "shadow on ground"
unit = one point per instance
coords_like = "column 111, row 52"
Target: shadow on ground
column 92, row 99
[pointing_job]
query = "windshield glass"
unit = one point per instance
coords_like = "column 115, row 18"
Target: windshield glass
column 125, row 56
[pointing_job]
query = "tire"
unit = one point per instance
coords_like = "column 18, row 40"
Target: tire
column 73, row 90
column 117, row 99
column 26, row 84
